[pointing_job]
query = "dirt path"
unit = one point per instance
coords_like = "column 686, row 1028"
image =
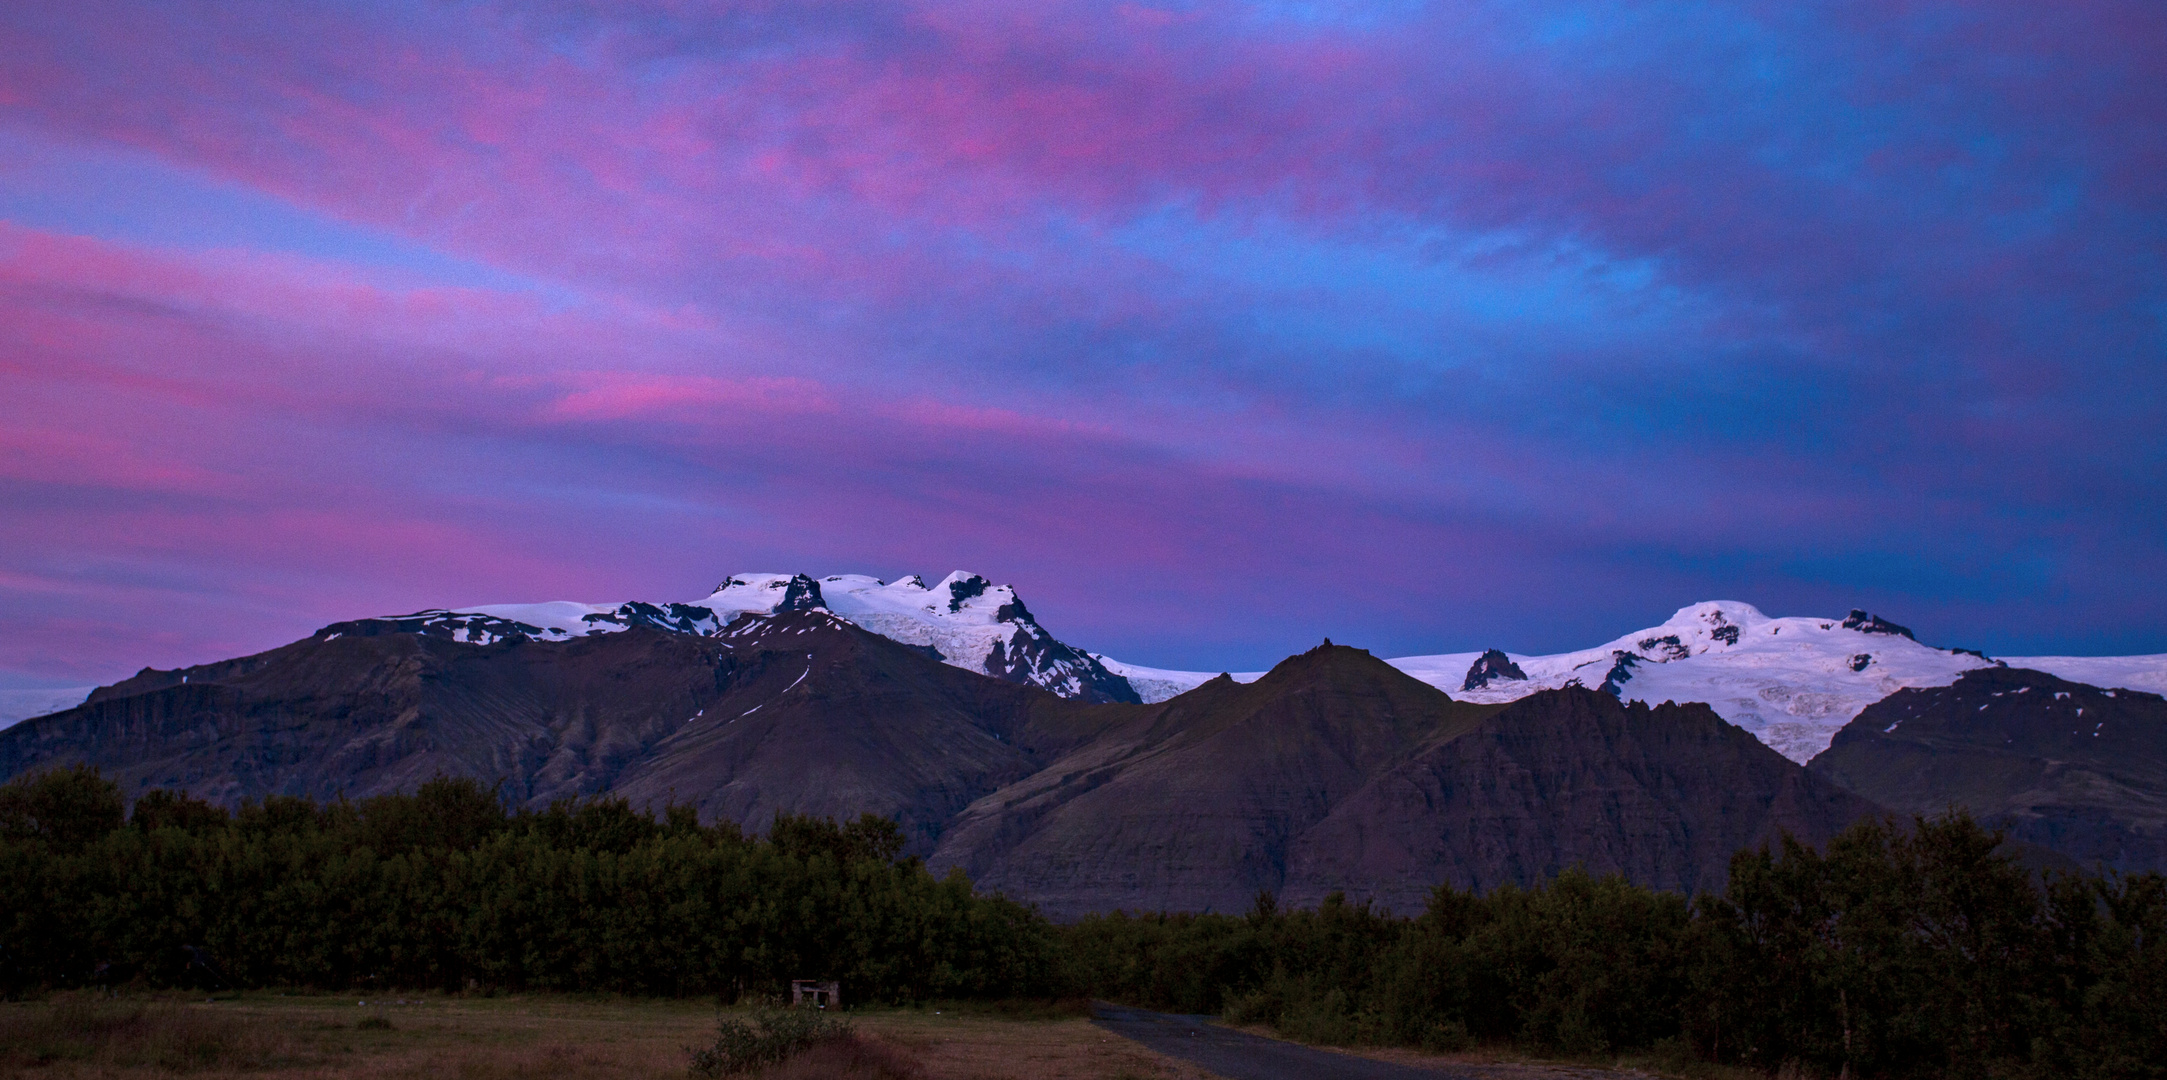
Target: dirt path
column 1238, row 1055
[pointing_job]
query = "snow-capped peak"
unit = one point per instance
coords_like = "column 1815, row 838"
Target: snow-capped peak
column 1792, row 682
column 973, row 623
column 763, row 593
column 1693, row 630
column 967, row 620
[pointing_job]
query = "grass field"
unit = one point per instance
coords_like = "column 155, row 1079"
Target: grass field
column 266, row 1036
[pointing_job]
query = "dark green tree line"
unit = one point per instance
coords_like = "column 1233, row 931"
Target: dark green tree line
column 1920, row 950
column 444, row 888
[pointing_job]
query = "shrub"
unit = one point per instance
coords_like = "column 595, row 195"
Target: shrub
column 767, row 1037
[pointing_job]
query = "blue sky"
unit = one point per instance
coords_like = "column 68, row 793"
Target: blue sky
column 1215, row 328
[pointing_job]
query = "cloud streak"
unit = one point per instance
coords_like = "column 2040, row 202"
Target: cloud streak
column 1513, row 323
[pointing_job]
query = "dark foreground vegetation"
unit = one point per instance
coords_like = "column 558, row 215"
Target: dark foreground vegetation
column 1918, row 951
column 444, row 889
column 1899, row 951
column 767, row 1037
column 155, row 1035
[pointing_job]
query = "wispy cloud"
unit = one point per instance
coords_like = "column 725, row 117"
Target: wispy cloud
column 1500, row 324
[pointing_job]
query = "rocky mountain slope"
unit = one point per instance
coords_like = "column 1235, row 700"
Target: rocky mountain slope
column 1337, row 771
column 1333, row 771
column 1663, row 795
column 1792, row 682
column 2075, row 768
column 1192, row 804
column 797, row 711
column 1028, row 764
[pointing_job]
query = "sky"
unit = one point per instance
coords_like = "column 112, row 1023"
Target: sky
column 1215, row 328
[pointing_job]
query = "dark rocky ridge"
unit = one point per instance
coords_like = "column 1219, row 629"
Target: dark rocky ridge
column 1867, row 623
column 2070, row 767
column 1662, row 795
column 1334, row 771
column 797, row 712
column 1193, row 803
column 1033, row 657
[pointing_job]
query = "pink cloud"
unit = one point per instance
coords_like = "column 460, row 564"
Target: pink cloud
column 900, row 259
column 946, row 417
column 626, row 395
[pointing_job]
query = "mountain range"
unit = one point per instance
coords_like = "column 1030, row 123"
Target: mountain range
column 1083, row 783
column 1793, row 682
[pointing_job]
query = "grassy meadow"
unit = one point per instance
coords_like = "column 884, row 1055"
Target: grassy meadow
column 267, row 1036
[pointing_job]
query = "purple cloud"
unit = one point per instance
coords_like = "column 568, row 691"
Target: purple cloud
column 1216, row 328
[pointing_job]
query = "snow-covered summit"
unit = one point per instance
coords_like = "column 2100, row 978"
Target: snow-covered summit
column 1792, row 682
column 965, row 620
column 762, row 594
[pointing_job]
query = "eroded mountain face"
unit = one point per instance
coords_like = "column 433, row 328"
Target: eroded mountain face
column 1791, row 682
column 1194, row 803
column 798, row 711
column 1663, row 795
column 1335, row 771
column 2075, row 768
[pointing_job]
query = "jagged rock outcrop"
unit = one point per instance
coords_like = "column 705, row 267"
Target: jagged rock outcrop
column 1492, row 666
column 1866, row 623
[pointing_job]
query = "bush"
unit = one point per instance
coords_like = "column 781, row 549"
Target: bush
column 767, row 1037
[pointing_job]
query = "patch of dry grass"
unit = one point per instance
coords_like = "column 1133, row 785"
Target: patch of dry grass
column 273, row 1037
column 548, row 1037
column 90, row 1032
column 853, row 1057
column 270, row 1037
column 977, row 1043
